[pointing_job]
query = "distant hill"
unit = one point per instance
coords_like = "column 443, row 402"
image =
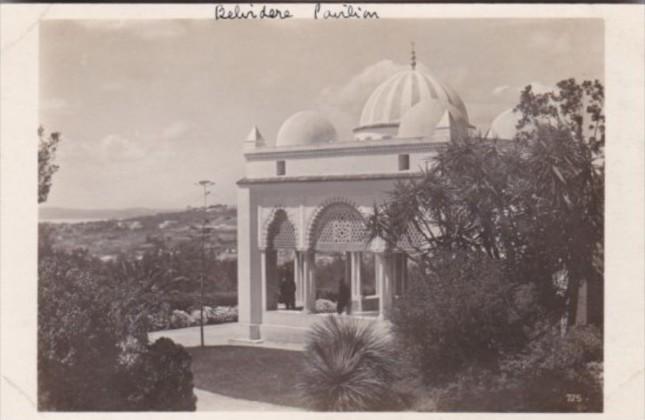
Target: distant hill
column 107, row 233
column 49, row 213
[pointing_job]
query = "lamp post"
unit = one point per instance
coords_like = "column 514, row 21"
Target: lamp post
column 205, row 184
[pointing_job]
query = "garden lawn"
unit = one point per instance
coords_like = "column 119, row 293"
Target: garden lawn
column 250, row 373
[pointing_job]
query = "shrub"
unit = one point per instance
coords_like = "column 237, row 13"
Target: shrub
column 223, row 298
column 560, row 372
column 196, row 315
column 328, row 294
column 221, row 314
column 323, row 306
column 459, row 315
column 180, row 319
column 160, row 319
column 474, row 390
column 349, row 366
column 164, row 319
column 79, row 331
column 160, row 379
column 92, row 338
column 188, row 301
column 554, row 374
column 217, row 315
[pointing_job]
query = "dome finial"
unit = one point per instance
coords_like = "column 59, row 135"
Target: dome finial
column 413, row 61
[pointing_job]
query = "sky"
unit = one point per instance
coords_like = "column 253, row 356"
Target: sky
column 148, row 108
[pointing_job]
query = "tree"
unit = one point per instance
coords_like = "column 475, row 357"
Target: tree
column 564, row 133
column 535, row 204
column 46, row 167
column 465, row 313
column 93, row 350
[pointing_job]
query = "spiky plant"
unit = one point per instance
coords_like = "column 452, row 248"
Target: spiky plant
column 349, row 366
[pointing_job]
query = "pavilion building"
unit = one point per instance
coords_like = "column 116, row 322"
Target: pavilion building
column 305, row 199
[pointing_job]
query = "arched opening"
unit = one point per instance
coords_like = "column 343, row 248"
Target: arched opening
column 341, row 268
column 280, row 257
column 339, row 242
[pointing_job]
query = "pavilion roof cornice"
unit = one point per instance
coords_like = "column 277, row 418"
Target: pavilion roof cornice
column 366, row 147
column 328, row 178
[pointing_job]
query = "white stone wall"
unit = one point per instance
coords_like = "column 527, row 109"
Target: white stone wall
column 249, row 293
column 334, row 165
column 343, row 158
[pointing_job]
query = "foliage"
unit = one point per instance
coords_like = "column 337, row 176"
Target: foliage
column 188, row 301
column 166, row 319
column 463, row 314
column 46, row 167
column 181, row 319
column 504, row 233
column 93, row 353
column 327, row 294
column 221, row 314
column 330, row 268
column 172, row 296
column 563, row 134
column 45, row 240
column 324, row 306
column 92, row 329
column 160, row 379
column 556, row 373
column 174, row 239
column 183, row 265
column 77, row 344
column 560, row 372
column 535, row 204
column 185, row 260
column 349, row 366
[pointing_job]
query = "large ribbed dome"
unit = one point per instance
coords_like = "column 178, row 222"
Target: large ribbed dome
column 304, row 128
column 394, row 97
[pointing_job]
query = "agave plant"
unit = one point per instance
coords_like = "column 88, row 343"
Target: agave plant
column 349, row 366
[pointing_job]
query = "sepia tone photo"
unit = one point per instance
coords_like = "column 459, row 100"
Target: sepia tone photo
column 399, row 215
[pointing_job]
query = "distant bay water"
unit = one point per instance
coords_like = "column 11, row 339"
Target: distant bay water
column 71, row 215
column 71, row 220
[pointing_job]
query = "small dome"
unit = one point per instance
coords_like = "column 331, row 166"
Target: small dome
column 504, row 125
column 394, row 97
column 305, row 127
column 422, row 119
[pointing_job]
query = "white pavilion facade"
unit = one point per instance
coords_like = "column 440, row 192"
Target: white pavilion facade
column 306, row 197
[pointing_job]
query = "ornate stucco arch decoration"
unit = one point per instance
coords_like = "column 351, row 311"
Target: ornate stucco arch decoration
column 337, row 225
column 278, row 227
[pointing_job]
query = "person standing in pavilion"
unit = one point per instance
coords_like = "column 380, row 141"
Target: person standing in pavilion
column 290, row 292
column 344, row 297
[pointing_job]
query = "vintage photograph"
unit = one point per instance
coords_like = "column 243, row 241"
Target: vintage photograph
column 401, row 215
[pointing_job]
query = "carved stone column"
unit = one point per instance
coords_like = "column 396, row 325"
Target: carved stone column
column 309, row 266
column 298, row 278
column 384, row 281
column 271, row 279
column 263, row 274
column 357, row 301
